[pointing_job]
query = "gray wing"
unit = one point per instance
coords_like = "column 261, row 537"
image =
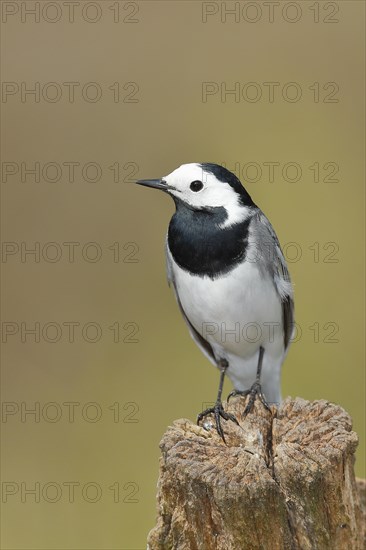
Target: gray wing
column 200, row 341
column 271, row 260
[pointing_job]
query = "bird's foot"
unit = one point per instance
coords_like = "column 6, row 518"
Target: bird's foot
column 253, row 392
column 218, row 411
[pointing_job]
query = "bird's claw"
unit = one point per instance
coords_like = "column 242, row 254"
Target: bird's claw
column 218, row 411
column 253, row 392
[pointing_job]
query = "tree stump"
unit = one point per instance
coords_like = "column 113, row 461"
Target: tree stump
column 282, row 481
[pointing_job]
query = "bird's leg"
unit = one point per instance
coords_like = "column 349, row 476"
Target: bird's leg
column 217, row 410
column 255, row 390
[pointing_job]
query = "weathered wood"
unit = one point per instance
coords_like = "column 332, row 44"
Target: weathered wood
column 282, row 481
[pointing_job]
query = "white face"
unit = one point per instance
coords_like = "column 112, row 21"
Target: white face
column 213, row 193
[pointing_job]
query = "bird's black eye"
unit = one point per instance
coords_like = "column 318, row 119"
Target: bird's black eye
column 196, row 185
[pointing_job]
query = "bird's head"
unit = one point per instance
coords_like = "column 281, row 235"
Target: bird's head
column 205, row 187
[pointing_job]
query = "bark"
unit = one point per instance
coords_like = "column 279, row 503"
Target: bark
column 282, row 481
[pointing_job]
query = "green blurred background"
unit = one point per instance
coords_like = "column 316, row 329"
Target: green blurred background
column 123, row 393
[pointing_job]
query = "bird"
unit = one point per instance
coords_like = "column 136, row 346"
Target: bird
column 230, row 280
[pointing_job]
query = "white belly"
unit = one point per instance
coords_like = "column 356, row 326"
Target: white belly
column 237, row 314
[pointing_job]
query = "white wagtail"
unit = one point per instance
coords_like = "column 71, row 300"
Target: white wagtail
column 230, row 280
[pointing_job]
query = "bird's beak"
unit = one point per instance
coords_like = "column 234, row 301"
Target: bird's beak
column 156, row 184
